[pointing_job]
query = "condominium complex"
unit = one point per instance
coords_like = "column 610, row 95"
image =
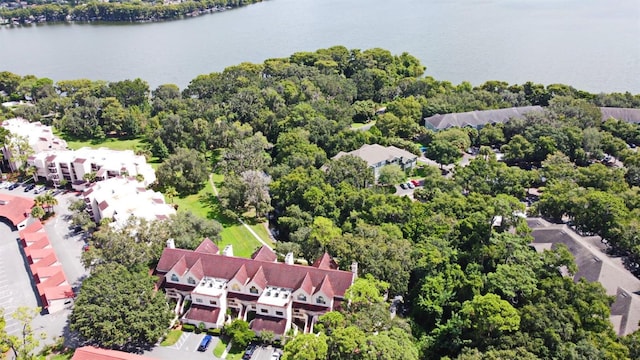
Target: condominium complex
column 73, row 165
column 274, row 296
column 39, row 137
column 121, row 197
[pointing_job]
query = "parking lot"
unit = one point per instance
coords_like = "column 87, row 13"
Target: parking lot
column 185, row 348
column 16, row 287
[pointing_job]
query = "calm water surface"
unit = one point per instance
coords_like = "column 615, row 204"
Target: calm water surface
column 591, row 44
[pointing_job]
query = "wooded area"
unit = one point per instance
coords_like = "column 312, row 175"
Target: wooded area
column 472, row 290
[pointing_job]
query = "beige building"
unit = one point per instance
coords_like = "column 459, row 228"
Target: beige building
column 378, row 156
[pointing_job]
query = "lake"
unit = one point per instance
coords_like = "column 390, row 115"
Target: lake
column 592, row 45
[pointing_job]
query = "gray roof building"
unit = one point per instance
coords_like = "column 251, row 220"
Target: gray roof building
column 623, row 114
column 378, row 156
column 478, row 118
column 595, row 265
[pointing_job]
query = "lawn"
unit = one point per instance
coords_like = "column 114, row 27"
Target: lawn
column 234, row 354
column 206, row 205
column 111, row 143
column 171, row 338
column 356, row 126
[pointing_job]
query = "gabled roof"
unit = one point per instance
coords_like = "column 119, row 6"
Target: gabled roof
column 325, row 262
column 207, row 247
column 180, row 267
column 622, row 114
column 264, row 254
column 276, row 273
column 36, row 240
column 43, row 273
column 52, row 281
column 625, row 312
column 31, row 228
column 478, row 118
column 374, row 154
column 56, row 293
column 241, row 275
column 259, row 278
column 196, row 269
column 94, row 353
column 325, row 287
column 306, row 284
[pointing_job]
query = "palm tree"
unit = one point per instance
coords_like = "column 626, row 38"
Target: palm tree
column 170, row 192
column 39, row 201
column 49, row 200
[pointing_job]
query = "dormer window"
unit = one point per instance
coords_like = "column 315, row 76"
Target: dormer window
column 235, row 287
column 302, row 297
column 253, row 290
column 191, row 281
column 321, row 300
column 175, row 278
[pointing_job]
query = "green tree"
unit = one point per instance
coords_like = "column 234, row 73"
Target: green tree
column 117, row 308
column 488, row 315
column 27, row 341
column 443, row 152
column 391, row 175
column 350, row 169
column 185, row 171
column 37, row 212
column 306, row 347
column 239, row 332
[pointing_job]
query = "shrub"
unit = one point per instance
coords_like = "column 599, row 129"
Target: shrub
column 188, row 327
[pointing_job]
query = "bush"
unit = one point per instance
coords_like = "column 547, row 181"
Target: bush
column 214, row 332
column 188, row 327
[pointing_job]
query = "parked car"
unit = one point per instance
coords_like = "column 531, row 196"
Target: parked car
column 13, row 186
column 403, row 186
column 275, row 355
column 29, row 187
column 204, row 344
column 416, row 182
column 410, row 185
column 249, row 352
column 39, row 189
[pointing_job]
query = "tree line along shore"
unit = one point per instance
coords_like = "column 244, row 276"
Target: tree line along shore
column 145, row 11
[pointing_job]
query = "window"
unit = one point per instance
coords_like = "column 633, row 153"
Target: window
column 235, row 287
column 302, row 297
column 264, row 311
column 279, row 313
column 253, row 290
column 213, row 302
column 175, row 277
column 198, row 300
column 191, row 281
column 320, row 300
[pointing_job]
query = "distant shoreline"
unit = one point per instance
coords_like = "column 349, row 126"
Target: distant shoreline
column 113, row 12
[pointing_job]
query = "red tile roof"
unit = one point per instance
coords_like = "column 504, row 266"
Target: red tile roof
column 203, row 313
column 241, row 275
column 196, row 270
column 36, row 240
column 15, row 208
column 275, row 273
column 325, row 262
column 264, row 254
column 42, row 273
column 269, row 323
column 207, row 247
column 56, row 293
column 259, row 278
column 306, row 284
column 31, row 228
column 180, row 267
column 38, row 255
column 52, row 281
column 326, row 287
column 93, row 353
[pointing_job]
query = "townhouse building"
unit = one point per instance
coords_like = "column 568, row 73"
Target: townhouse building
column 39, row 137
column 378, row 156
column 273, row 296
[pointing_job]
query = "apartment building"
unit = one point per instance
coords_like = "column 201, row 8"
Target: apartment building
column 121, row 197
column 73, row 165
column 40, row 138
column 273, row 296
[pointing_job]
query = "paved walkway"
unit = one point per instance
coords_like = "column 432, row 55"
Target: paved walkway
column 255, row 235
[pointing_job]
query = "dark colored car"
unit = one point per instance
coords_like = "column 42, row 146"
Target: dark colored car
column 13, row 186
column 29, row 187
column 249, row 352
column 204, row 344
column 403, row 186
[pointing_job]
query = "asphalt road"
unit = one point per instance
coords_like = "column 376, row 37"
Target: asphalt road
column 185, row 348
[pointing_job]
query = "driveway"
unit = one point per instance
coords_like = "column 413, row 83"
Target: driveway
column 185, row 348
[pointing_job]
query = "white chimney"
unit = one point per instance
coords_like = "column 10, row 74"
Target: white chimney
column 171, row 244
column 288, row 259
column 228, row 250
column 354, row 268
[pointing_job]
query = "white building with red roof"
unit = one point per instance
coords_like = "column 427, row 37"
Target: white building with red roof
column 16, row 209
column 120, row 198
column 73, row 165
column 40, row 138
column 274, row 295
column 94, row 353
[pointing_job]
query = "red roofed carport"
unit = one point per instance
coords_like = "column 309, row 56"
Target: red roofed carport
column 16, row 209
